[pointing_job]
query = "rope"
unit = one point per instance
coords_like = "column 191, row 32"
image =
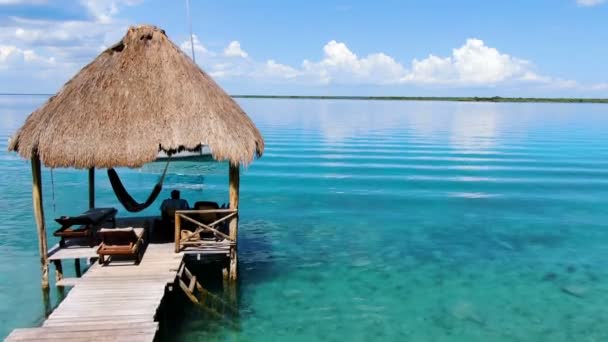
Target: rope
column 53, row 192
column 127, row 201
column 162, row 177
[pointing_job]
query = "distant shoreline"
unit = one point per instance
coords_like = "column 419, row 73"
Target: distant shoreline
column 431, row 98
column 403, row 98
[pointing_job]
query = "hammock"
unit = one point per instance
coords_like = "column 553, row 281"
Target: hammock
column 127, row 200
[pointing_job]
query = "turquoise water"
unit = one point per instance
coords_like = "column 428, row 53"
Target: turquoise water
column 414, row 221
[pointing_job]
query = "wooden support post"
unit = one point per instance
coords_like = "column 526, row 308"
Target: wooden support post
column 77, row 268
column 230, row 294
column 226, row 275
column 46, row 303
column 91, row 188
column 58, row 270
column 39, row 216
column 234, row 182
column 177, row 232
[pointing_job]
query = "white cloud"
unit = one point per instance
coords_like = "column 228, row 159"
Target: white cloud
column 341, row 65
column 12, row 57
column 272, row 69
column 474, row 63
column 234, row 50
column 589, row 3
column 57, row 49
column 53, row 50
column 199, row 48
column 72, row 43
column 6, row 51
column 599, row 87
column 37, row 33
column 104, row 10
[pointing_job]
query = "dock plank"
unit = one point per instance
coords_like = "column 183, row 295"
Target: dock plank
column 113, row 302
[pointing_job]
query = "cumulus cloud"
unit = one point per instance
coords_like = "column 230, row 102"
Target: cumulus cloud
column 474, row 63
column 54, row 50
column 71, row 43
column 341, row 65
column 15, row 59
column 199, row 48
column 58, row 48
column 104, row 10
column 589, row 3
column 9, row 53
column 273, row 70
column 234, row 50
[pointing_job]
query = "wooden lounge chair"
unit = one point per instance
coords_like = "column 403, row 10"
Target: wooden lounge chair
column 88, row 221
column 205, row 218
column 126, row 242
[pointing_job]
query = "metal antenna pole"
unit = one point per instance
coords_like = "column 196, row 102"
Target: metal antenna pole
column 190, row 27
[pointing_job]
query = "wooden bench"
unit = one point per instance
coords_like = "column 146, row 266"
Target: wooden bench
column 88, row 221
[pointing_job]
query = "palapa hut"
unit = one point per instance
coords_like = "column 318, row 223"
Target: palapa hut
column 141, row 96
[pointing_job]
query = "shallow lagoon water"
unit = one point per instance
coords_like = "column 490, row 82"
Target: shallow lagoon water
column 377, row 220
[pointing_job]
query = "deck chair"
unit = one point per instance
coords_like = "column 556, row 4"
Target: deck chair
column 206, row 218
column 126, row 242
column 88, row 221
column 206, row 205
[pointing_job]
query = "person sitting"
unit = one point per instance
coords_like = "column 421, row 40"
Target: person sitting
column 170, row 205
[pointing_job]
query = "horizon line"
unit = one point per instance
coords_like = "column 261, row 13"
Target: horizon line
column 399, row 98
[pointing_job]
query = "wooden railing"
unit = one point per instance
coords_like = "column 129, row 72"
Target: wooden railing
column 191, row 238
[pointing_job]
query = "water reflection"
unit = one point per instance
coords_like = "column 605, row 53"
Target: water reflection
column 475, row 128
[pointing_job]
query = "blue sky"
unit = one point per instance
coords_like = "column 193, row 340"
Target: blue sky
column 429, row 48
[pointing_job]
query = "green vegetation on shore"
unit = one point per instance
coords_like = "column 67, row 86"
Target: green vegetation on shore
column 431, row 98
column 404, row 98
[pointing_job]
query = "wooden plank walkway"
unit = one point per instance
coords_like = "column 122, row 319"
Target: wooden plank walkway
column 114, row 302
column 209, row 248
column 72, row 251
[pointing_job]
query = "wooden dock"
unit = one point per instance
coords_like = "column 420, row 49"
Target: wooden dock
column 113, row 302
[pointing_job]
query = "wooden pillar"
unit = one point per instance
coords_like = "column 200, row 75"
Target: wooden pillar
column 39, row 216
column 58, row 270
column 178, row 234
column 234, row 222
column 46, row 303
column 91, row 188
column 77, row 268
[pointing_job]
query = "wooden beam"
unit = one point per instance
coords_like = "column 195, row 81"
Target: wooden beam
column 58, row 270
column 192, row 284
column 234, row 183
column 91, row 188
column 46, row 303
column 187, row 291
column 204, row 227
column 205, row 211
column 39, row 216
column 177, row 232
column 77, row 267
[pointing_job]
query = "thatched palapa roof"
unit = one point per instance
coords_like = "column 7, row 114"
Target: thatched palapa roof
column 138, row 97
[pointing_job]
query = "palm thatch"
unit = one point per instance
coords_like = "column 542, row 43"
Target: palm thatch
column 139, row 97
